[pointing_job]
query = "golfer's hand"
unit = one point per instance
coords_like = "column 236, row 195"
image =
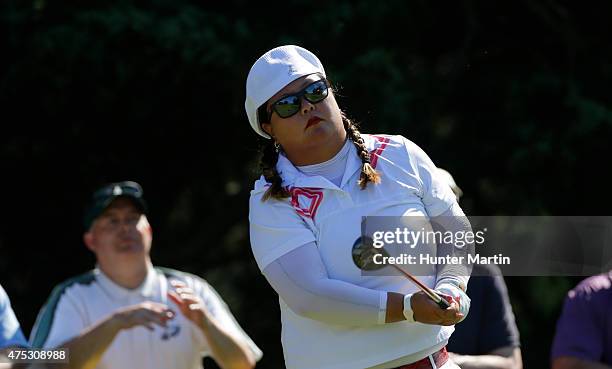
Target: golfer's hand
column 458, row 295
column 428, row 312
column 190, row 305
column 145, row 314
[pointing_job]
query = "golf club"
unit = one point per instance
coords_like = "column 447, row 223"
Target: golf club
column 363, row 257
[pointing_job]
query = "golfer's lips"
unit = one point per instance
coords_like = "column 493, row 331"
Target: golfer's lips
column 312, row 121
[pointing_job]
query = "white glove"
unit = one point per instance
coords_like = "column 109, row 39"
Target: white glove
column 457, row 294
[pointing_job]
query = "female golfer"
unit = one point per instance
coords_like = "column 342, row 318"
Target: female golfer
column 320, row 176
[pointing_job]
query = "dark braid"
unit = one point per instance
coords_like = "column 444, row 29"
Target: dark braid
column 268, row 168
column 268, row 161
column 368, row 173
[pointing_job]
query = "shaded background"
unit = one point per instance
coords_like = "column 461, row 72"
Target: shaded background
column 511, row 97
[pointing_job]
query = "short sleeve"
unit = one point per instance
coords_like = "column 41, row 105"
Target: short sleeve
column 275, row 229
column 578, row 332
column 436, row 193
column 499, row 327
column 57, row 322
column 220, row 311
column 10, row 331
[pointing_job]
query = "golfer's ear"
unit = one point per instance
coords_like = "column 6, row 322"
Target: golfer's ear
column 267, row 127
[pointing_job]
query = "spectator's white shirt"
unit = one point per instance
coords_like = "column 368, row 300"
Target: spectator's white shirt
column 329, row 215
column 85, row 300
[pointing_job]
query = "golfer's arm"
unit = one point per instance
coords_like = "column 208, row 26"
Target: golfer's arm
column 454, row 220
column 504, row 358
column 86, row 349
column 301, row 280
column 568, row 362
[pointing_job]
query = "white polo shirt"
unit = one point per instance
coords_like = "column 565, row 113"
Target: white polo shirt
column 85, row 300
column 329, row 215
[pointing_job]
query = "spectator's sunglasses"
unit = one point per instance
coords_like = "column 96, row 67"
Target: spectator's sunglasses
column 289, row 105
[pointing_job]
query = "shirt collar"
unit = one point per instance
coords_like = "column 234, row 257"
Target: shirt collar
column 332, row 165
column 146, row 288
column 354, row 161
column 292, row 177
column 353, row 164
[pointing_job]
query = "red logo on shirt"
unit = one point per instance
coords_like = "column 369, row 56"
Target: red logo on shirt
column 374, row 154
column 306, row 201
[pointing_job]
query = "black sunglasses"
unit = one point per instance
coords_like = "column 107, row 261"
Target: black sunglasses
column 289, row 105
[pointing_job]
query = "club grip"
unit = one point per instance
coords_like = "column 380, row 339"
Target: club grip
column 443, row 304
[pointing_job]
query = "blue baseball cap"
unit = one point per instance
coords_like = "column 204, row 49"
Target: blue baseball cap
column 106, row 194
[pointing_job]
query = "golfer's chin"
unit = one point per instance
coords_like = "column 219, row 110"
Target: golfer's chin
column 321, row 136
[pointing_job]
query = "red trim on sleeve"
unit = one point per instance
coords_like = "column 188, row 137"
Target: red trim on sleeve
column 374, row 154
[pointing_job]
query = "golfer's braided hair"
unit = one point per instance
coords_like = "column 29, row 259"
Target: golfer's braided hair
column 268, row 161
column 368, row 173
column 270, row 153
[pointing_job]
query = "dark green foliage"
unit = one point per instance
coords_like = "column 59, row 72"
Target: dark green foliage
column 512, row 98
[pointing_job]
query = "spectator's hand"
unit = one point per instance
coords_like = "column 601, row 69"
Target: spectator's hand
column 457, row 295
column 428, row 312
column 145, row 314
column 190, row 305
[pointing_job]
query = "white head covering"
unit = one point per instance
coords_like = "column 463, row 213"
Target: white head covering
column 273, row 71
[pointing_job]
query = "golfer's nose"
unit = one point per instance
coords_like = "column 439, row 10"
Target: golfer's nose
column 306, row 106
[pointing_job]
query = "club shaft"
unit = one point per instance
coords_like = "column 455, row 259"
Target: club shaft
column 432, row 295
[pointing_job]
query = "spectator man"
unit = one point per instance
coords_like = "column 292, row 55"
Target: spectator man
column 127, row 314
